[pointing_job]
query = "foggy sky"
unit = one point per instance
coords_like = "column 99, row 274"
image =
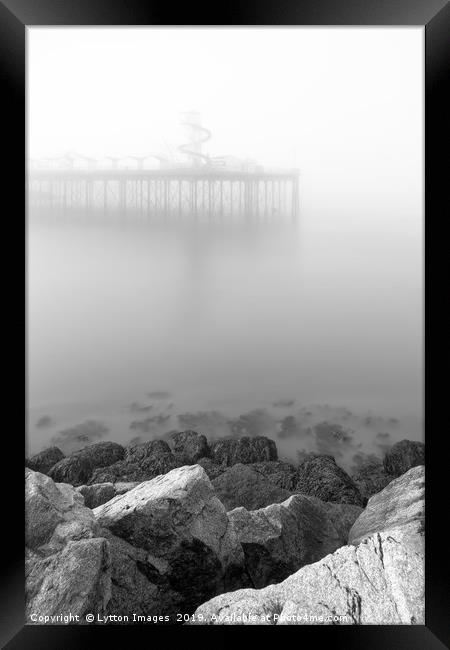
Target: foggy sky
column 333, row 315
column 344, row 105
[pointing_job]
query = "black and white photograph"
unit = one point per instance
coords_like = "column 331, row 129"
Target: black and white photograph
column 225, row 326
column 224, row 223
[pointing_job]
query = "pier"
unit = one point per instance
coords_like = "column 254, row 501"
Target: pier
column 203, row 188
column 196, row 193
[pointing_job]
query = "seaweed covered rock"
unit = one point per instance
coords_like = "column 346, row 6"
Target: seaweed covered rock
column 245, row 450
column 173, row 545
column 77, row 468
column 211, row 468
column 189, row 446
column 142, row 462
column 279, row 472
column 404, row 455
column 44, row 460
column 240, row 485
column 320, row 477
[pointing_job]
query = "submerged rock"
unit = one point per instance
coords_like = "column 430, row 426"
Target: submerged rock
column 176, row 546
column 77, row 437
column 67, row 563
column 380, row 581
column 44, row 460
column 77, row 468
column 320, row 477
column 189, row 446
column 404, row 455
column 240, row 485
column 229, row 451
column 281, row 538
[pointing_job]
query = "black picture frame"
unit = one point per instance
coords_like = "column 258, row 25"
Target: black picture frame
column 434, row 15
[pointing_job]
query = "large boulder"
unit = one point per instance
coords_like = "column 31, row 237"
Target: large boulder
column 229, row 451
column 240, row 485
column 404, row 455
column 54, row 512
column 281, row 538
column 67, row 562
column 320, row 477
column 44, row 460
column 142, row 462
column 174, row 544
column 399, row 508
column 74, row 582
column 123, row 486
column 380, row 581
column 279, row 472
column 77, row 468
column 189, row 446
column 371, row 478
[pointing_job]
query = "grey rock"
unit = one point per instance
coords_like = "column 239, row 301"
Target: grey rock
column 279, row 472
column 211, row 468
column 189, row 446
column 44, row 460
column 399, row 508
column 380, row 581
column 137, row 581
column 229, row 451
column 281, row 538
column 371, row 478
column 153, row 450
column 322, row 478
column 122, row 487
column 67, row 563
column 404, row 455
column 142, row 462
column 97, row 494
column 341, row 515
column 76, row 581
column 183, row 544
column 77, row 468
column 240, row 485
column 54, row 513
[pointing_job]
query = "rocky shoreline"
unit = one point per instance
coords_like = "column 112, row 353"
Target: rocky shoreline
column 223, row 533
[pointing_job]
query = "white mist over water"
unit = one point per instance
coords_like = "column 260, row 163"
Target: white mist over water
column 230, row 320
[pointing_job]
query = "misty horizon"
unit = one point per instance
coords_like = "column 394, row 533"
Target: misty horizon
column 229, row 319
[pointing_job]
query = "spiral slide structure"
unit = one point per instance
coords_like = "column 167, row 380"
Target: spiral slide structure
column 199, row 135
